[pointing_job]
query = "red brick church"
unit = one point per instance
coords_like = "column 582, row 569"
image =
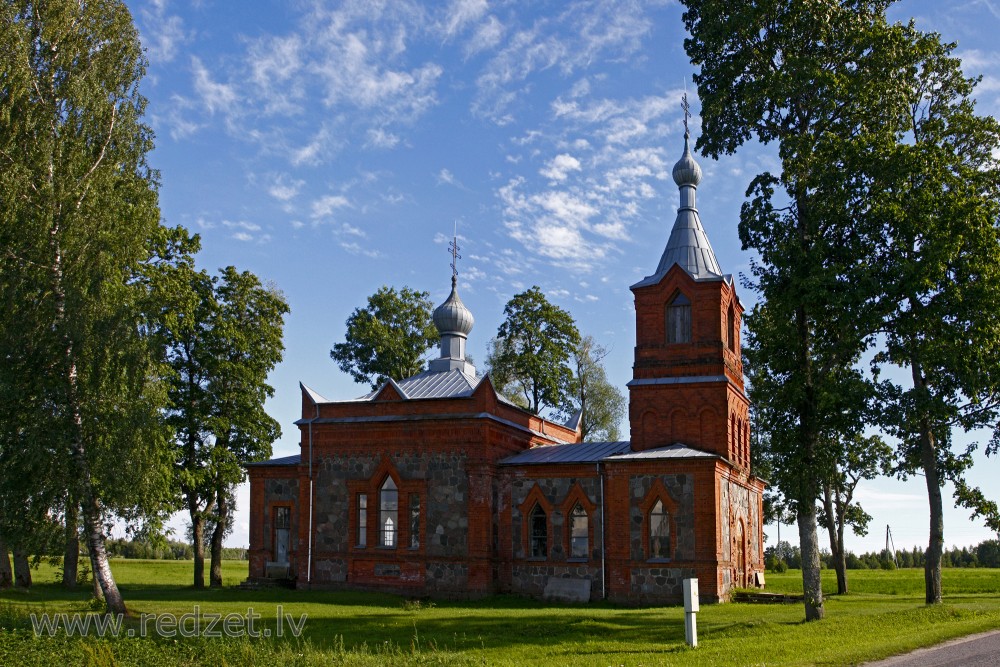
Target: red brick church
column 437, row 485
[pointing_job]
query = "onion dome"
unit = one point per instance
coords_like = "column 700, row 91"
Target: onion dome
column 687, row 171
column 452, row 317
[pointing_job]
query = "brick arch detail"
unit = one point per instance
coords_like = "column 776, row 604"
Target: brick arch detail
column 535, row 497
column 577, row 496
column 658, row 491
column 371, row 488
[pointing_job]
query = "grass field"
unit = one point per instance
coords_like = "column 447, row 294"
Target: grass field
column 883, row 615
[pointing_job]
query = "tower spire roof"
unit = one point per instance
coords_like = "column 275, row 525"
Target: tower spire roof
column 688, row 244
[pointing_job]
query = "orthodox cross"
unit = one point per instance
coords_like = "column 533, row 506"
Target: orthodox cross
column 453, row 249
column 687, row 110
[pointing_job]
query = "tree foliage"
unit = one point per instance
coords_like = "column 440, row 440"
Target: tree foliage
column 821, row 79
column 529, row 360
column 80, row 392
column 602, row 405
column 936, row 200
column 388, row 338
column 222, row 336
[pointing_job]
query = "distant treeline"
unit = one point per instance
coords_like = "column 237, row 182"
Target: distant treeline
column 986, row 554
column 163, row 550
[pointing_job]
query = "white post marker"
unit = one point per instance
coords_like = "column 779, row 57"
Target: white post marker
column 690, row 612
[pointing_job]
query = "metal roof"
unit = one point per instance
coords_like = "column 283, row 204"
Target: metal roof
column 674, row 451
column 607, row 452
column 688, row 245
column 292, row 460
column 449, row 384
column 582, row 452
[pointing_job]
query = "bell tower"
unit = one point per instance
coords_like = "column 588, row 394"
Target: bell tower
column 687, row 382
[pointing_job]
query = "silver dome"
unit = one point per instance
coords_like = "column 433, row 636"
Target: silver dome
column 687, row 171
column 452, row 317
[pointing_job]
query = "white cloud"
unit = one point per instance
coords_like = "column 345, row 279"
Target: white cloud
column 163, row 34
column 559, row 167
column 445, row 177
column 214, row 95
column 243, row 236
column 460, row 13
column 284, row 188
column 241, row 224
column 487, row 36
column 379, row 138
column 327, row 204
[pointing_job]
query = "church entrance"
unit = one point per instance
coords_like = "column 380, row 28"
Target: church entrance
column 282, row 520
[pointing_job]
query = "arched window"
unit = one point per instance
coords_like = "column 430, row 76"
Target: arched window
column 659, row 531
column 679, row 319
column 388, row 505
column 539, row 533
column 731, row 328
column 579, row 532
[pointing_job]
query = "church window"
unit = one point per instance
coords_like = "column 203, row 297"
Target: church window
column 362, row 519
column 659, row 531
column 679, row 320
column 388, row 513
column 731, row 328
column 414, row 520
column 579, row 533
column 539, row 533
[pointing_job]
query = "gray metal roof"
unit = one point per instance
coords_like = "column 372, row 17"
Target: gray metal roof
column 449, row 384
column 607, row 452
column 688, row 245
column 582, row 452
column 292, row 460
column 674, row 451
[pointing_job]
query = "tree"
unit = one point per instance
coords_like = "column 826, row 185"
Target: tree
column 863, row 458
column 6, row 573
column 938, row 201
column 222, row 337
column 80, row 208
column 530, row 356
column 388, row 338
column 247, row 344
column 820, row 79
column 601, row 404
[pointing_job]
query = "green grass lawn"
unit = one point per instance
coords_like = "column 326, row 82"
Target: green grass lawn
column 883, row 615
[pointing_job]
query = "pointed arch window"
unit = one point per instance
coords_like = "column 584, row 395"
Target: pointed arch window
column 579, row 526
column 731, row 330
column 539, row 533
column 659, row 531
column 388, row 505
column 679, row 319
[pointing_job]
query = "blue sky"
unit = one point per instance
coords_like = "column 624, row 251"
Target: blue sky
column 331, row 147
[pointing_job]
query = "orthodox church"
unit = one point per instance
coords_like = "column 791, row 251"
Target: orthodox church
column 437, row 485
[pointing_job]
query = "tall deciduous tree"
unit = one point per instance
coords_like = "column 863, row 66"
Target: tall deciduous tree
column 819, row 79
column 79, row 210
column 937, row 193
column 530, row 356
column 388, row 338
column 247, row 341
column 861, row 457
column 602, row 405
column 223, row 336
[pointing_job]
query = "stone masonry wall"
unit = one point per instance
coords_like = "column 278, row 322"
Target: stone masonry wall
column 680, row 487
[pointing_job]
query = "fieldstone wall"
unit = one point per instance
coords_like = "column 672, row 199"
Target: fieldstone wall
column 446, row 504
column 555, row 491
column 443, row 500
column 446, row 576
column 681, row 490
column 659, row 584
column 725, row 511
column 530, row 579
column 330, row 569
